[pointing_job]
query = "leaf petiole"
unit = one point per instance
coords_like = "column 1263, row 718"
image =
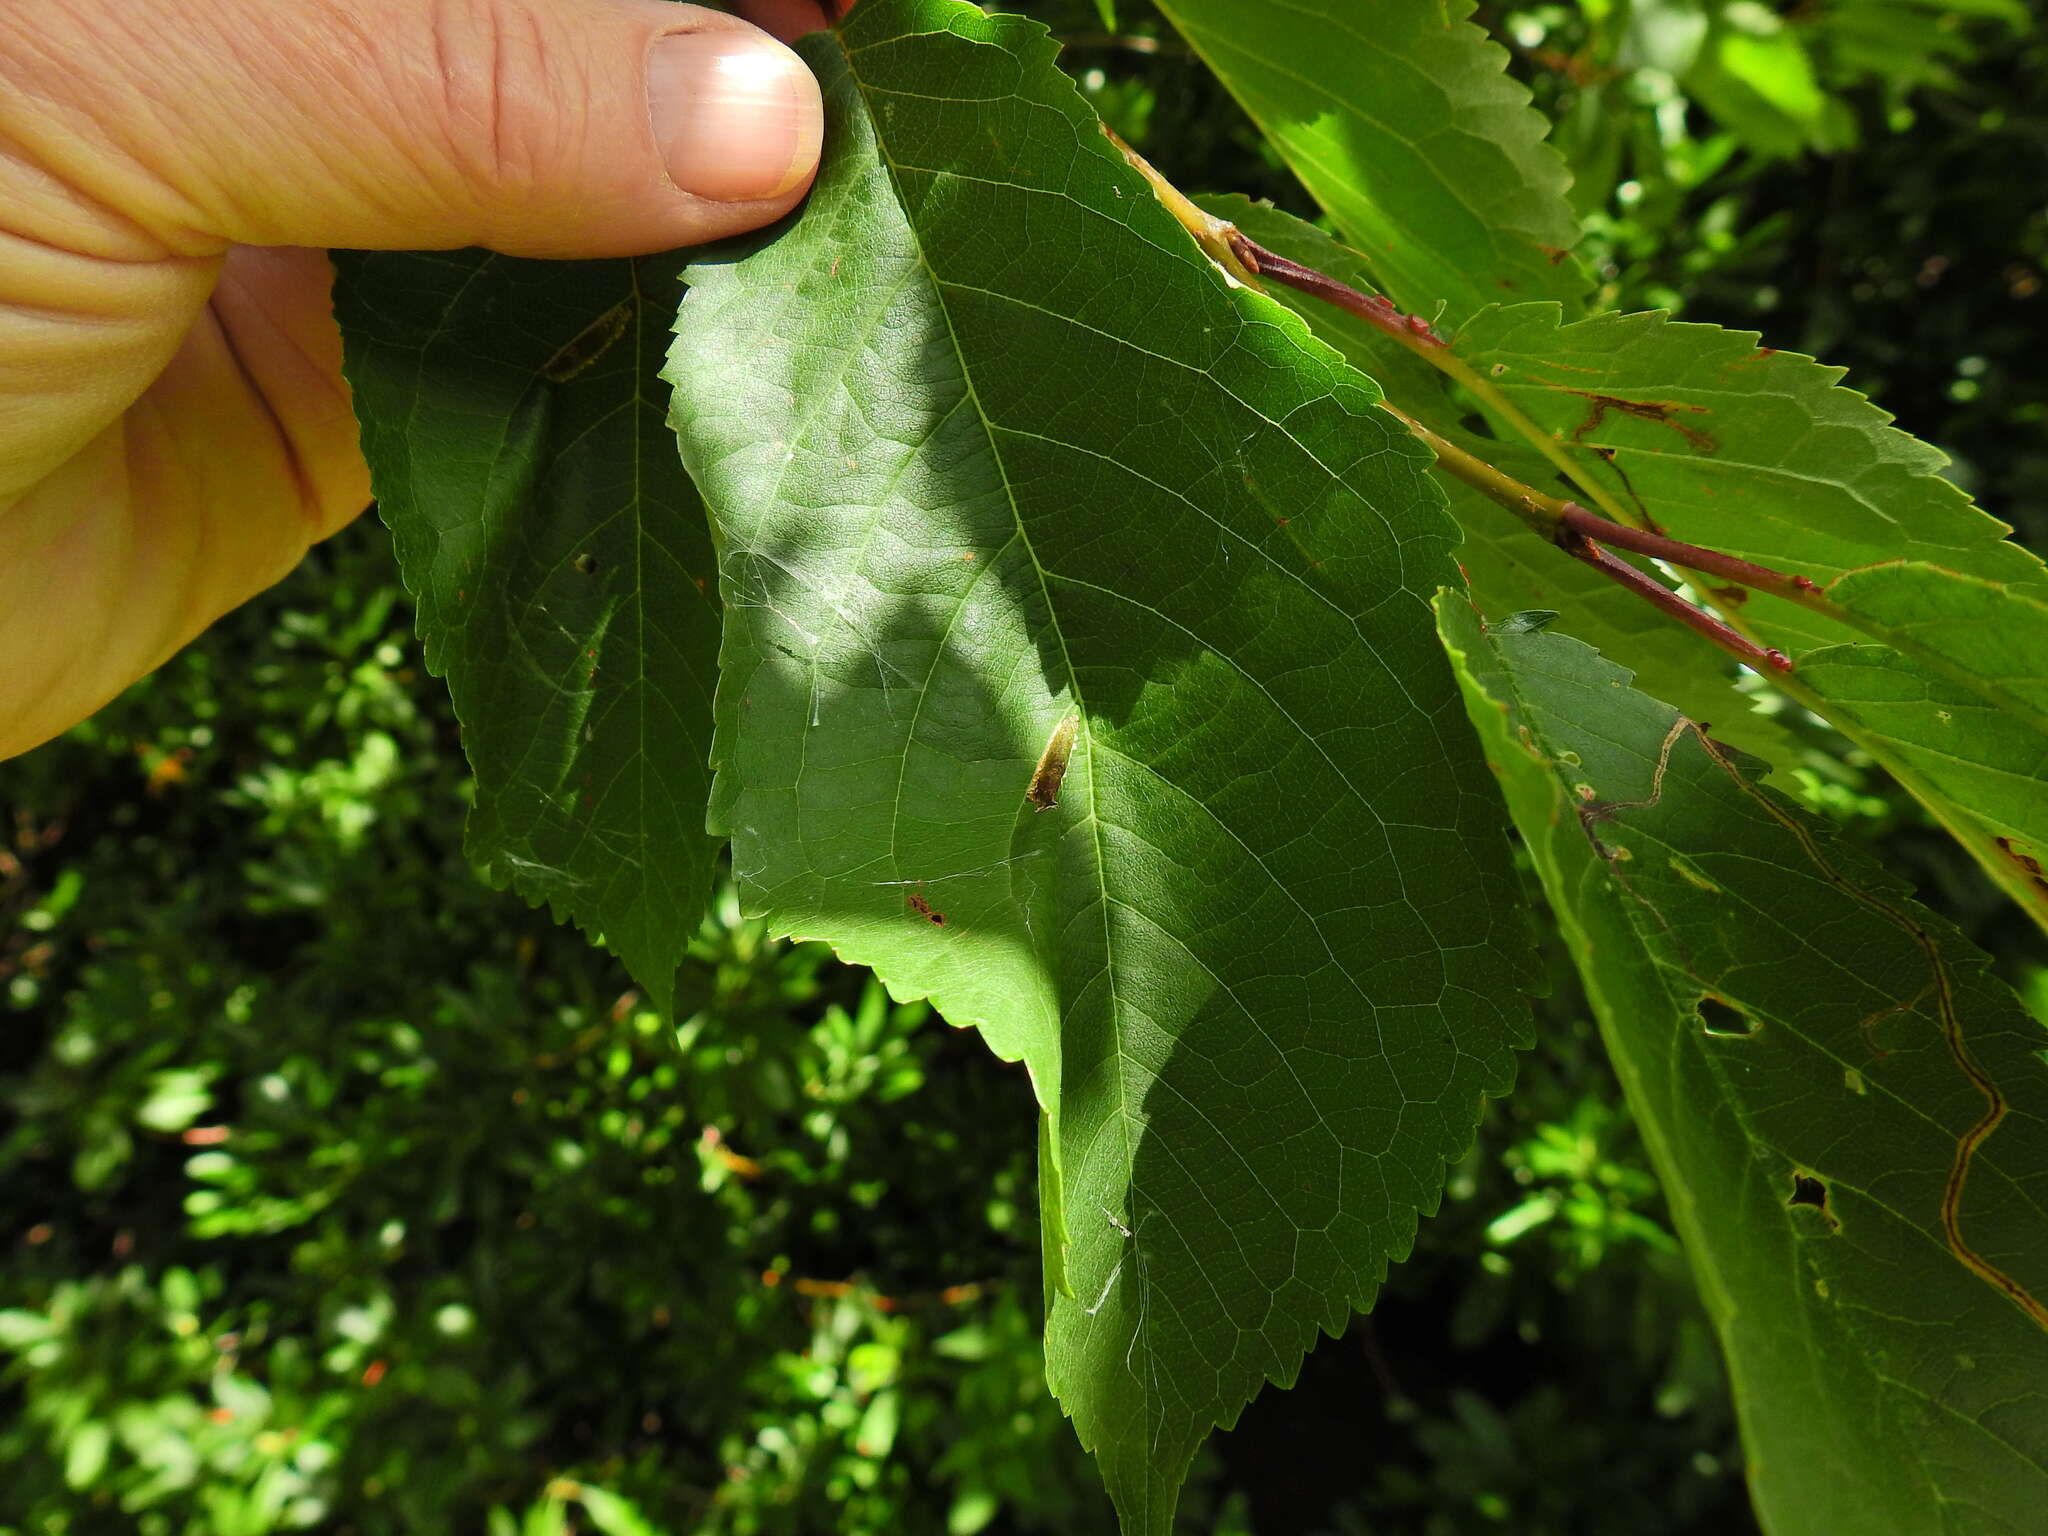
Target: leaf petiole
column 1580, row 534
column 1572, row 528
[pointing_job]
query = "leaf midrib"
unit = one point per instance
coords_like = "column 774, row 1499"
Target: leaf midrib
column 1073, row 682
column 992, row 432
column 1084, row 729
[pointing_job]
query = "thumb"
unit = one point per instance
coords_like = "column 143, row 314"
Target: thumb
column 561, row 128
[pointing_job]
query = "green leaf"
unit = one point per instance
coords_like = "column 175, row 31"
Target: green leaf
column 611, row 1515
column 86, row 1452
column 1507, row 568
column 19, row 1328
column 561, row 563
column 1755, row 76
column 1762, row 454
column 1750, row 450
column 1985, row 636
column 1850, row 1111
column 1401, row 120
column 177, row 1097
column 1979, row 766
column 998, row 458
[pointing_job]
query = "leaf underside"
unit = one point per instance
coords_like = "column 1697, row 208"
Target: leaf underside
column 1703, row 434
column 562, row 568
column 999, row 465
column 1079, row 673
column 1507, row 568
column 1849, row 1112
column 1764, row 455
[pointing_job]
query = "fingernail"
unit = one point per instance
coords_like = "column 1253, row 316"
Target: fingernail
column 736, row 114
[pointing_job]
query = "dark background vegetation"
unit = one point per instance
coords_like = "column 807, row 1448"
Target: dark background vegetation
column 339, row 1193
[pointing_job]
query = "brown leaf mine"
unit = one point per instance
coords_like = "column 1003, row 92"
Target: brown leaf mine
column 1044, row 789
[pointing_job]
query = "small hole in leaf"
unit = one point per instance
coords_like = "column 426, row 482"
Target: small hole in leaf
column 1719, row 1018
column 586, row 564
column 1813, row 1194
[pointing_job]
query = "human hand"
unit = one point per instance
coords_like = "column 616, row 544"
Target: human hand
column 174, row 428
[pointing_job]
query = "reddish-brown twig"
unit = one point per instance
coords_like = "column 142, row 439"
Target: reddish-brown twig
column 1410, row 330
column 1762, row 658
column 1578, row 532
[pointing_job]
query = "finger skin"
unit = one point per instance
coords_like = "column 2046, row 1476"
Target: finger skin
column 522, row 125
column 210, row 488
column 174, row 427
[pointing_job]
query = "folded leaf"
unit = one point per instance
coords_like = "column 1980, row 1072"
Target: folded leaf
column 561, row 565
column 1849, row 1111
column 1079, row 674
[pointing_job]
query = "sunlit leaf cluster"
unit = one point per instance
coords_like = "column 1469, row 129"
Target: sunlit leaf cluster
column 1049, row 618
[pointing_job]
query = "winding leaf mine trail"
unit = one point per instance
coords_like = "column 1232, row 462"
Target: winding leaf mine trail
column 1942, row 985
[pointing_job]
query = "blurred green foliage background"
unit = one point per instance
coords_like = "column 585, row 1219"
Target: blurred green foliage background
column 340, row 1193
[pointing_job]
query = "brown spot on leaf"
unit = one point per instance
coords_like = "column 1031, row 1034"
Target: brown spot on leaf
column 2028, row 865
column 925, row 910
column 589, row 344
column 1044, row 789
column 1608, row 456
column 1662, row 412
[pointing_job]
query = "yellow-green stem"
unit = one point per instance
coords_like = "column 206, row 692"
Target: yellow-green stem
column 1544, row 514
column 1211, row 233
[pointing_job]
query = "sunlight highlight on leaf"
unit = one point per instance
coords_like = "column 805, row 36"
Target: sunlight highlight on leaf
column 1255, row 942
column 1400, row 118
